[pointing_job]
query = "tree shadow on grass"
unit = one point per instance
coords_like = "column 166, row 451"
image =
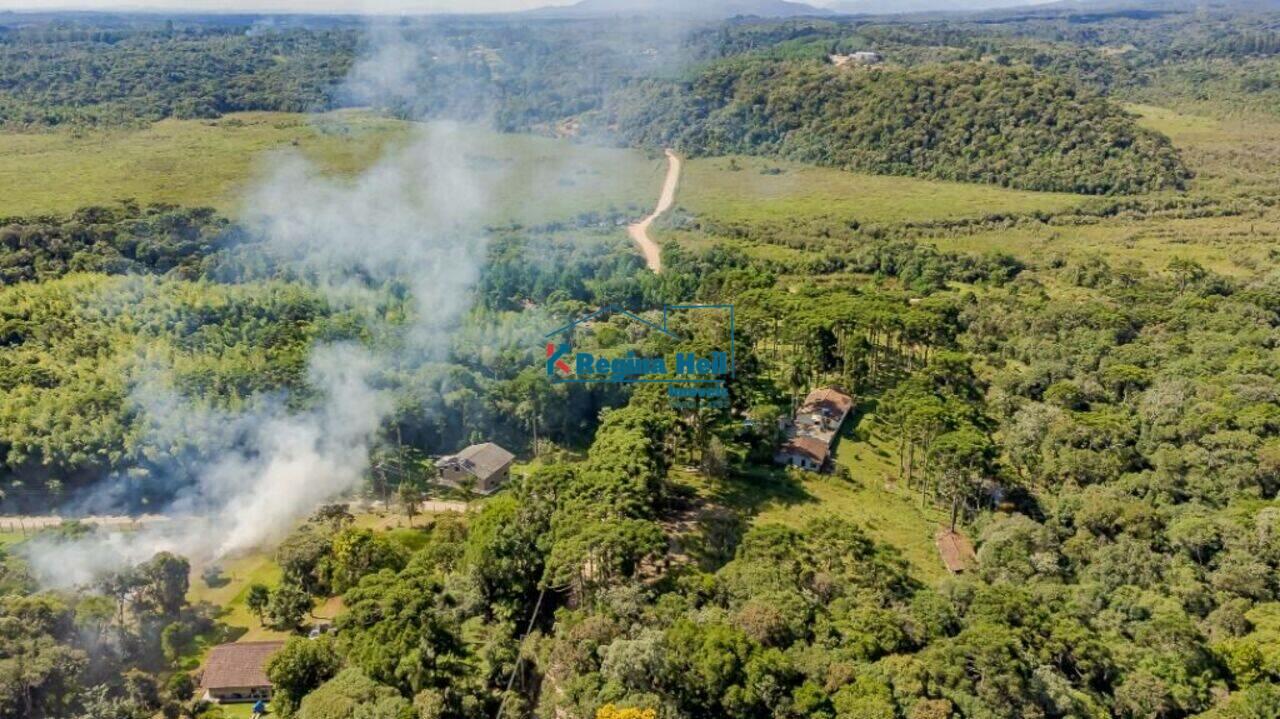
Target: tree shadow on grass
column 751, row 489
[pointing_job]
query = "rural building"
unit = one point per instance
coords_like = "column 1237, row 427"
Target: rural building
column 237, row 672
column 812, row 432
column 864, row 57
column 487, row 465
column 805, row 453
column 956, row 551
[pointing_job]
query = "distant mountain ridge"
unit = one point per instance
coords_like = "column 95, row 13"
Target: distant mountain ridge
column 892, row 7
column 699, row 9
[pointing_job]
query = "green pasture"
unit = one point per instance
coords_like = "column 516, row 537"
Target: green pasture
column 215, row 163
column 746, row 189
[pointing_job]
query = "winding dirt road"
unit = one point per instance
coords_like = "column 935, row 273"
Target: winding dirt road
column 640, row 231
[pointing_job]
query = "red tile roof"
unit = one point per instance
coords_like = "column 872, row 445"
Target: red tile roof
column 829, row 399
column 810, row 447
column 238, row 665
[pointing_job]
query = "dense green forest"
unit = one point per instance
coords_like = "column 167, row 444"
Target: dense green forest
column 79, row 76
column 965, row 121
column 1101, row 418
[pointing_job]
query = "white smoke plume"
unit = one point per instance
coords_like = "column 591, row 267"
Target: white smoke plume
column 412, row 218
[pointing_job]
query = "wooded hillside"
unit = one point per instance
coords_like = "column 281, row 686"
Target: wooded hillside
column 973, row 122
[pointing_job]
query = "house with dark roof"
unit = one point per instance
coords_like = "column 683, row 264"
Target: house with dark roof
column 237, row 672
column 485, row 466
column 812, row 432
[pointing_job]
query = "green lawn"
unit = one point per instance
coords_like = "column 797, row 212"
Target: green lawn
column 210, row 162
column 237, row 711
column 231, row 589
column 890, row 516
column 713, row 188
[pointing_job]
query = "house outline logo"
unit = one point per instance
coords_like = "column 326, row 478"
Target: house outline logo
column 559, row 348
column 556, row 366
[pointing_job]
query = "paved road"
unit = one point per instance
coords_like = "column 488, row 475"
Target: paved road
column 640, row 231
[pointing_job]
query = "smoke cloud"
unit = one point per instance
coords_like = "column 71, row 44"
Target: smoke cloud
column 412, row 220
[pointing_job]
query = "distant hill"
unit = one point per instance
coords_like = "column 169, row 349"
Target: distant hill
column 699, row 9
column 889, row 7
column 971, row 122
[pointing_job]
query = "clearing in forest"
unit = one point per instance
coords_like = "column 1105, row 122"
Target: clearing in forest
column 211, row 162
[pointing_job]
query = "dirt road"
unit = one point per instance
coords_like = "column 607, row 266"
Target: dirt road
column 640, row 231
column 33, row 523
column 30, row 524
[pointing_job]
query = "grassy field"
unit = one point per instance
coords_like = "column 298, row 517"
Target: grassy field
column 1232, row 158
column 889, row 515
column 741, row 189
column 1227, row 245
column 214, row 162
column 1232, row 155
column 231, row 589
column 1236, row 159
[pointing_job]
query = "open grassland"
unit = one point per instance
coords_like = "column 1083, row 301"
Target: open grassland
column 1236, row 160
column 744, row 189
column 236, row 711
column 214, row 163
column 1232, row 246
column 1233, row 158
column 1232, row 155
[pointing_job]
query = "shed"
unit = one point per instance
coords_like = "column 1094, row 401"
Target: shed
column 956, row 551
column 487, row 464
column 237, row 672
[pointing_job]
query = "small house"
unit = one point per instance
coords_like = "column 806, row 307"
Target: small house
column 486, row 467
column 805, row 453
column 812, row 432
column 238, row 672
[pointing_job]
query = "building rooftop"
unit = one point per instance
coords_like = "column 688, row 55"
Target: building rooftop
column 238, row 665
column 484, row 460
column 811, row 447
column 827, row 401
